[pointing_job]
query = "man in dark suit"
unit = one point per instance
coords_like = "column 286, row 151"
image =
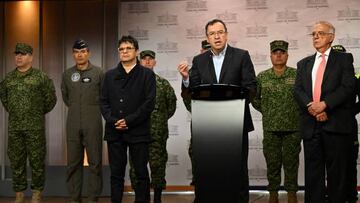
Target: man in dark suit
column 324, row 89
column 127, row 100
column 226, row 65
column 351, row 182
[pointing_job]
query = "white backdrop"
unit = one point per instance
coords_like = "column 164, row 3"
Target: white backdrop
column 174, row 30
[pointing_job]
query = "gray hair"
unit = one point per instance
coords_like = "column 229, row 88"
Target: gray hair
column 329, row 25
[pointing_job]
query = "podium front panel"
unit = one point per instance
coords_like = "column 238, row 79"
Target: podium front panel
column 217, row 129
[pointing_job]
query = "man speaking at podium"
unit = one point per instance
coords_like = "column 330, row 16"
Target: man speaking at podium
column 224, row 64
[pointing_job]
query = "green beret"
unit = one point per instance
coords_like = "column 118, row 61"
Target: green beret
column 147, row 53
column 23, row 48
column 279, row 45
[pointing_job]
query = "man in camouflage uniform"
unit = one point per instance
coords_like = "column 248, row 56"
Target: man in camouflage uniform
column 280, row 117
column 80, row 90
column 27, row 94
column 165, row 106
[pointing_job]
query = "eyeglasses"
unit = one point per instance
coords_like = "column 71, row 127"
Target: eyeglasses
column 124, row 49
column 320, row 34
column 214, row 33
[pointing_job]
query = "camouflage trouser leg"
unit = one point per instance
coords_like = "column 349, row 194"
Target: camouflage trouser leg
column 282, row 149
column 23, row 144
column 157, row 161
column 291, row 150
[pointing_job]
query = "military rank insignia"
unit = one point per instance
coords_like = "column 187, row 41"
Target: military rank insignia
column 86, row 80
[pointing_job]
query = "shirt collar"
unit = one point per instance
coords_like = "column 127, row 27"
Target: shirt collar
column 327, row 52
column 222, row 53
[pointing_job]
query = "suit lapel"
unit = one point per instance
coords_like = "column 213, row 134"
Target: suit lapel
column 226, row 63
column 328, row 68
column 309, row 68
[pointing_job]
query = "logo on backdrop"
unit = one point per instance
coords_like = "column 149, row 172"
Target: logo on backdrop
column 349, row 42
column 195, row 33
column 196, row 5
column 259, row 59
column 257, row 173
column 256, row 31
column 286, row 16
column 138, row 8
column 232, row 43
column 317, row 4
column 139, row 34
column 173, row 160
column 348, row 14
column 293, row 44
column 227, row 17
column 255, row 141
column 167, row 47
column 171, row 75
column 256, row 4
column 174, row 129
column 167, row 20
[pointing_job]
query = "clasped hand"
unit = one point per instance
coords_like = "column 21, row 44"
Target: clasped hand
column 121, row 125
column 317, row 109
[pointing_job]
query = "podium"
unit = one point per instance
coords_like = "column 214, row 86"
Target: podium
column 217, row 134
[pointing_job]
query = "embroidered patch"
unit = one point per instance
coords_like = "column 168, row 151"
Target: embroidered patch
column 75, row 77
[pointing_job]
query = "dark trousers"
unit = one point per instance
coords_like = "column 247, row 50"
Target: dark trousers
column 351, row 182
column 139, row 154
column 244, row 176
column 326, row 151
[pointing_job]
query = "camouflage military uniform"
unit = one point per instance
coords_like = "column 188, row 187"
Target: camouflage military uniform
column 81, row 92
column 281, row 143
column 165, row 107
column 27, row 97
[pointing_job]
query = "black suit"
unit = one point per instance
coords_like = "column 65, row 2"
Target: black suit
column 326, row 144
column 352, row 192
column 237, row 69
column 129, row 96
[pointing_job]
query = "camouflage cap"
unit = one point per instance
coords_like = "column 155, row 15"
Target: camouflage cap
column 279, row 45
column 147, row 53
column 339, row 48
column 205, row 44
column 23, row 48
column 80, row 44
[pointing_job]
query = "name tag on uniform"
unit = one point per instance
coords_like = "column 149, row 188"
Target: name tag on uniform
column 290, row 81
column 86, row 80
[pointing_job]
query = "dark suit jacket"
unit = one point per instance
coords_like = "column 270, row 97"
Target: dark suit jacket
column 357, row 93
column 131, row 97
column 237, row 69
column 337, row 91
